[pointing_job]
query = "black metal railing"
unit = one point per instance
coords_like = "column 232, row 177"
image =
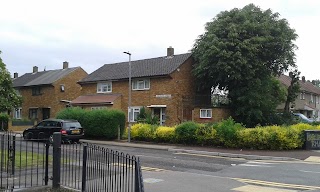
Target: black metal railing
column 26, row 163
column 22, row 162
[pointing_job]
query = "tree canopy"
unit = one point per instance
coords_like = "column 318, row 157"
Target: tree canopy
column 242, row 50
column 8, row 96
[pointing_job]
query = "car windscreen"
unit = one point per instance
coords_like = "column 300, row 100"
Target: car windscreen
column 72, row 125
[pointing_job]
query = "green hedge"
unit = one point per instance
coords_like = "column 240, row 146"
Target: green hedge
column 4, row 118
column 226, row 133
column 97, row 123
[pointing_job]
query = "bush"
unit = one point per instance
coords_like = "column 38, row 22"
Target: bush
column 185, row 132
column 165, row 134
column 143, row 132
column 98, row 123
column 4, row 118
column 206, row 134
column 227, row 132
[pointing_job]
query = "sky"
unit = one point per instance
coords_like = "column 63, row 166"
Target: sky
column 92, row 33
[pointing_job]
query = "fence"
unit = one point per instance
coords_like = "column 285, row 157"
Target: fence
column 78, row 166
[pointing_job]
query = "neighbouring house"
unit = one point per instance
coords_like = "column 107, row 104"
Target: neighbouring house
column 164, row 86
column 307, row 101
column 45, row 93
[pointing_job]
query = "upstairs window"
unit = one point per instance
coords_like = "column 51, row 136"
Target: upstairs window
column 36, row 90
column 142, row 84
column 301, row 95
column 311, row 99
column 104, row 87
column 206, row 113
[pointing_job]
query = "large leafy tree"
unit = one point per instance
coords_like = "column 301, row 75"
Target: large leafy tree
column 8, row 96
column 316, row 82
column 293, row 90
column 242, row 50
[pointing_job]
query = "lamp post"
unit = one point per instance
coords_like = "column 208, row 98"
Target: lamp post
column 129, row 101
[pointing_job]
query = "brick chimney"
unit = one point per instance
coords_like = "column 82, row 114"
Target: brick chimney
column 65, row 65
column 15, row 75
column 170, row 51
column 303, row 79
column 35, row 69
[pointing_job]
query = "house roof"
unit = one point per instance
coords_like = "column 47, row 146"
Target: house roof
column 141, row 68
column 95, row 99
column 304, row 86
column 42, row 77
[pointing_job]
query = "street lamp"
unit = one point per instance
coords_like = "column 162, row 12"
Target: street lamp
column 129, row 102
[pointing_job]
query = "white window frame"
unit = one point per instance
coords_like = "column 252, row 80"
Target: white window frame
column 317, row 99
column 17, row 113
column 311, row 98
column 140, row 84
column 207, row 112
column 136, row 111
column 104, row 85
column 302, row 95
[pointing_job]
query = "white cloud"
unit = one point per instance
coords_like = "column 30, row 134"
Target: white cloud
column 92, row 33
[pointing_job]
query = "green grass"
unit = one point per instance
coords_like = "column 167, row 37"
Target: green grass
column 25, row 159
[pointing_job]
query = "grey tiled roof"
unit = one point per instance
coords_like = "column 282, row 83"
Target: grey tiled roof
column 304, row 86
column 42, row 77
column 141, row 68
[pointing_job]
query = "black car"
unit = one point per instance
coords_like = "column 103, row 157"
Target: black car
column 70, row 130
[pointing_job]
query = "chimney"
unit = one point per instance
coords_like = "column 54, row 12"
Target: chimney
column 170, row 51
column 303, row 79
column 15, row 75
column 65, row 65
column 35, row 69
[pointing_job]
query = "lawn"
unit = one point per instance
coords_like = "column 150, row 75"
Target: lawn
column 24, row 159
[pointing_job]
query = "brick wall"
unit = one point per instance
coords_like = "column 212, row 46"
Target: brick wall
column 218, row 114
column 166, row 90
column 51, row 95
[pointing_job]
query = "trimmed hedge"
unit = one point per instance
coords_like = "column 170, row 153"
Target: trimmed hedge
column 226, row 133
column 97, row 123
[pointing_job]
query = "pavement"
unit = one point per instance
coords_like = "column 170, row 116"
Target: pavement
column 281, row 155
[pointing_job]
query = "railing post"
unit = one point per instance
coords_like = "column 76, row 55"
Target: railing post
column 13, row 154
column 46, row 171
column 56, row 160
column 138, row 177
column 84, row 168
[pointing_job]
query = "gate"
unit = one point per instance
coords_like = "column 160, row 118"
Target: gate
column 77, row 166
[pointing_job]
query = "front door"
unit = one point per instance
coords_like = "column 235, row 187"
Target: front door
column 45, row 113
column 160, row 113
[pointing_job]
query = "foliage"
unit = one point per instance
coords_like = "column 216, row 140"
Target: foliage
column 185, row 132
column 241, row 51
column 143, row 132
column 97, row 123
column 316, row 82
column 4, row 118
column 206, row 134
column 8, row 96
column 165, row 134
column 146, row 117
column 227, row 132
column 293, row 90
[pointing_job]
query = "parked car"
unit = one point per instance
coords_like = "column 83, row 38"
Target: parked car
column 302, row 118
column 71, row 130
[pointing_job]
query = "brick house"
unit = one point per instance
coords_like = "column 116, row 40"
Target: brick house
column 160, row 85
column 307, row 102
column 45, row 93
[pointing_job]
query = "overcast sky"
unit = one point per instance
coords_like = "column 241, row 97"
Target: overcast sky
column 96, row 32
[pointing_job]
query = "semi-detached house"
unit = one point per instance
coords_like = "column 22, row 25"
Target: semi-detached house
column 162, row 85
column 45, row 93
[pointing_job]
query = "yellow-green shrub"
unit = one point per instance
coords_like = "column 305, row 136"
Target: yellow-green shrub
column 165, row 134
column 142, row 131
column 273, row 137
column 206, row 134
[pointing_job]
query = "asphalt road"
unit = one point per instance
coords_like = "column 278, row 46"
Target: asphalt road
column 169, row 171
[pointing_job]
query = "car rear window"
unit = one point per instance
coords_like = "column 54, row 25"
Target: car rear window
column 68, row 125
